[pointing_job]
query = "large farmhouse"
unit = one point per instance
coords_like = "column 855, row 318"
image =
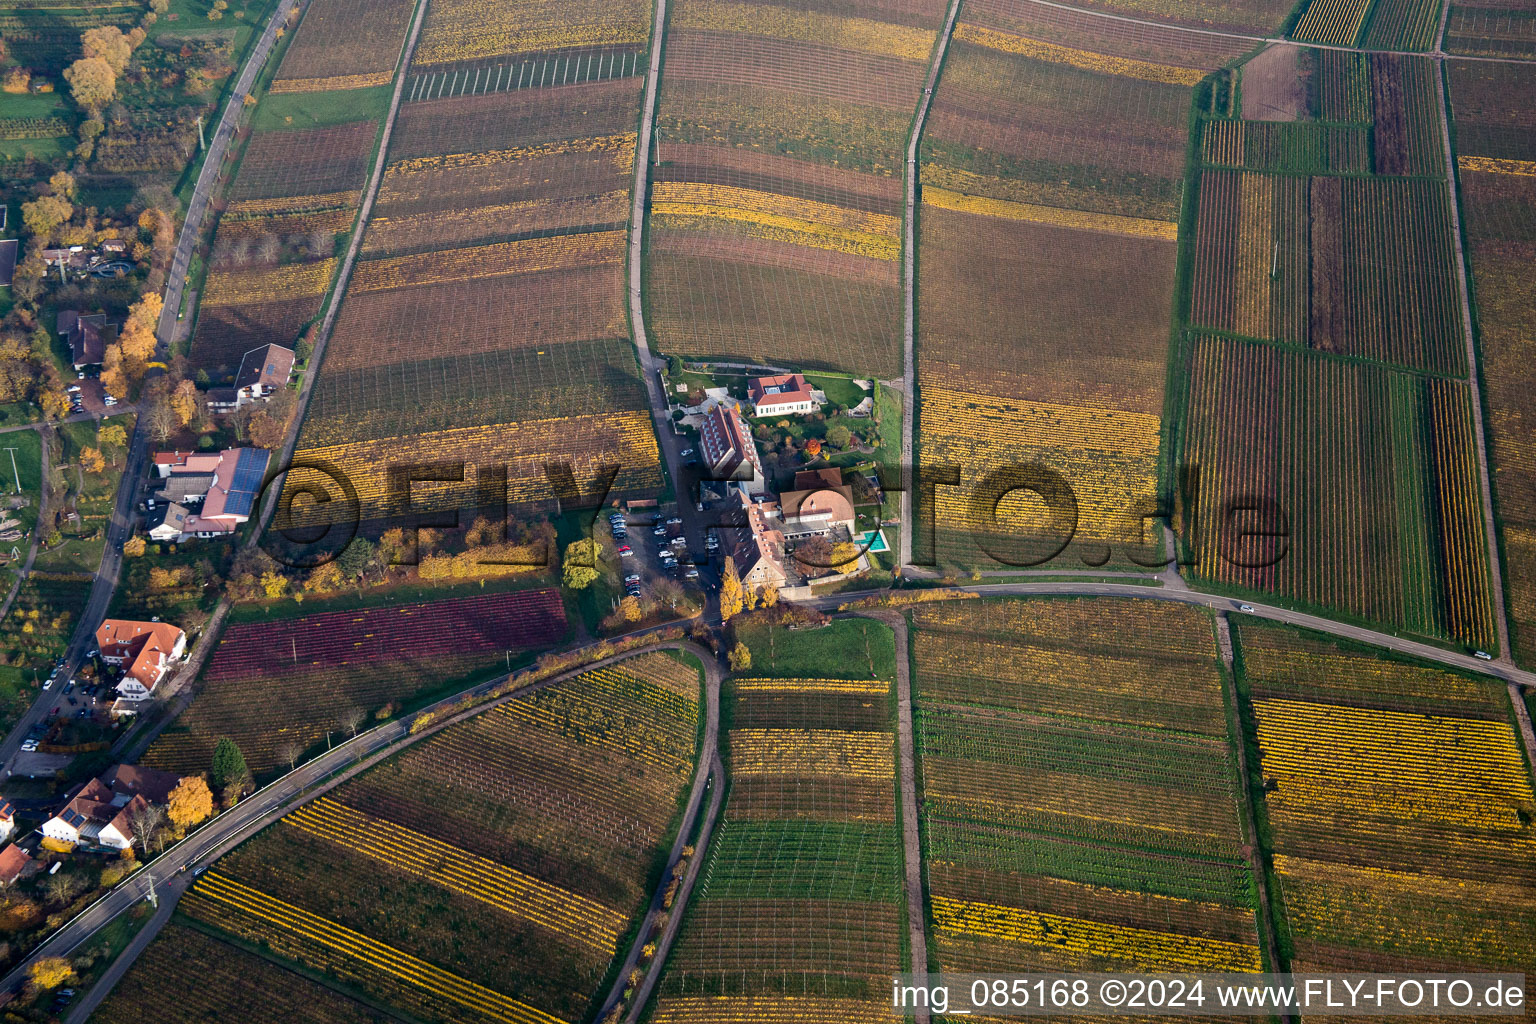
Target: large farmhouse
column 146, row 650
column 781, row 395
column 206, row 494
column 101, row 813
column 727, row 451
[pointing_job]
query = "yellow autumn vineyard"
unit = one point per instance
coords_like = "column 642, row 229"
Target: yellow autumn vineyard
column 618, row 150
column 1496, row 165
column 462, row 30
column 269, row 284
column 335, row 83
column 295, row 931
column 1138, row 227
column 871, row 688
column 501, row 259
column 586, row 442
column 575, row 917
column 685, row 206
column 1007, row 42
column 1138, row 946
column 811, row 751
column 1108, row 456
column 293, row 204
column 859, row 34
column 1336, row 22
column 1330, row 759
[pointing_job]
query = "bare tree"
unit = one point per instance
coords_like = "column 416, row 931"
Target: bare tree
column 352, row 719
column 269, row 249
column 162, row 421
column 145, row 820
column 291, row 752
column 62, row 888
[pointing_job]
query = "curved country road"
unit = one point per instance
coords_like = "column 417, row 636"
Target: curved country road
column 304, row 784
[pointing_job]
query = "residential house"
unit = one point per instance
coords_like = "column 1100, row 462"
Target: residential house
column 100, row 813
column 780, row 395
column 262, row 372
column 14, row 861
column 87, row 336
column 727, row 450
column 759, row 549
column 168, row 522
column 146, row 650
column 216, row 490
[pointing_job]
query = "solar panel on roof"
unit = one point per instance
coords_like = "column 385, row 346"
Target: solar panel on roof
column 249, row 467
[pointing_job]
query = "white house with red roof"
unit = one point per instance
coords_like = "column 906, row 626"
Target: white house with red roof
column 101, row 812
column 783, row 394
column 147, row 650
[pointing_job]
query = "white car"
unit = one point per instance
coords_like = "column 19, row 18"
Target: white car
column 1245, row 607
column 48, row 683
column 28, row 746
column 1482, row 655
column 108, row 400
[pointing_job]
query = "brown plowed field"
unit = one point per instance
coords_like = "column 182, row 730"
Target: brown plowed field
column 810, row 69
column 314, row 161
column 709, row 307
column 485, row 315
column 1060, row 304
column 506, row 120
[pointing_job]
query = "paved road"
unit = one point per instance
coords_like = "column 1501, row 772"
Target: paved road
column 1275, row 613
column 168, row 896
column 695, row 525
column 120, row 526
column 909, row 286
column 911, row 847
column 1474, row 377
column 278, row 798
column 709, row 773
column 1265, row 915
column 1257, row 40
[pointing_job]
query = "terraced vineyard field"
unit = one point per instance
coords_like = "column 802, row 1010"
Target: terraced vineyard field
column 295, row 196
column 798, row 910
column 1075, row 814
column 1496, row 164
column 488, row 873
column 776, row 208
column 231, row 981
column 485, row 323
column 1324, row 393
column 1046, row 257
column 1491, row 29
column 1400, row 805
column 311, row 672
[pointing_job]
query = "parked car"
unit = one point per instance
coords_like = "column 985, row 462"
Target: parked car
column 73, row 388
column 632, row 579
column 108, row 400
column 692, row 573
column 29, row 745
column 48, row 683
column 674, row 521
column 625, row 550
column 685, row 453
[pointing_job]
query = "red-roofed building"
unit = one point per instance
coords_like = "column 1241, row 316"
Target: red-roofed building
column 146, row 649
column 727, row 451
column 13, row 861
column 759, row 549
column 780, row 395
column 101, row 812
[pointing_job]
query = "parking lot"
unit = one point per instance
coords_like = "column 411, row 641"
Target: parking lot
column 657, row 549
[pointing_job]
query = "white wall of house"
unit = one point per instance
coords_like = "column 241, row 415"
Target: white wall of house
column 61, row 830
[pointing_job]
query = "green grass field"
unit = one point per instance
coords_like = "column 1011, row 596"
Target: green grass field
column 845, row 649
column 298, row 110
